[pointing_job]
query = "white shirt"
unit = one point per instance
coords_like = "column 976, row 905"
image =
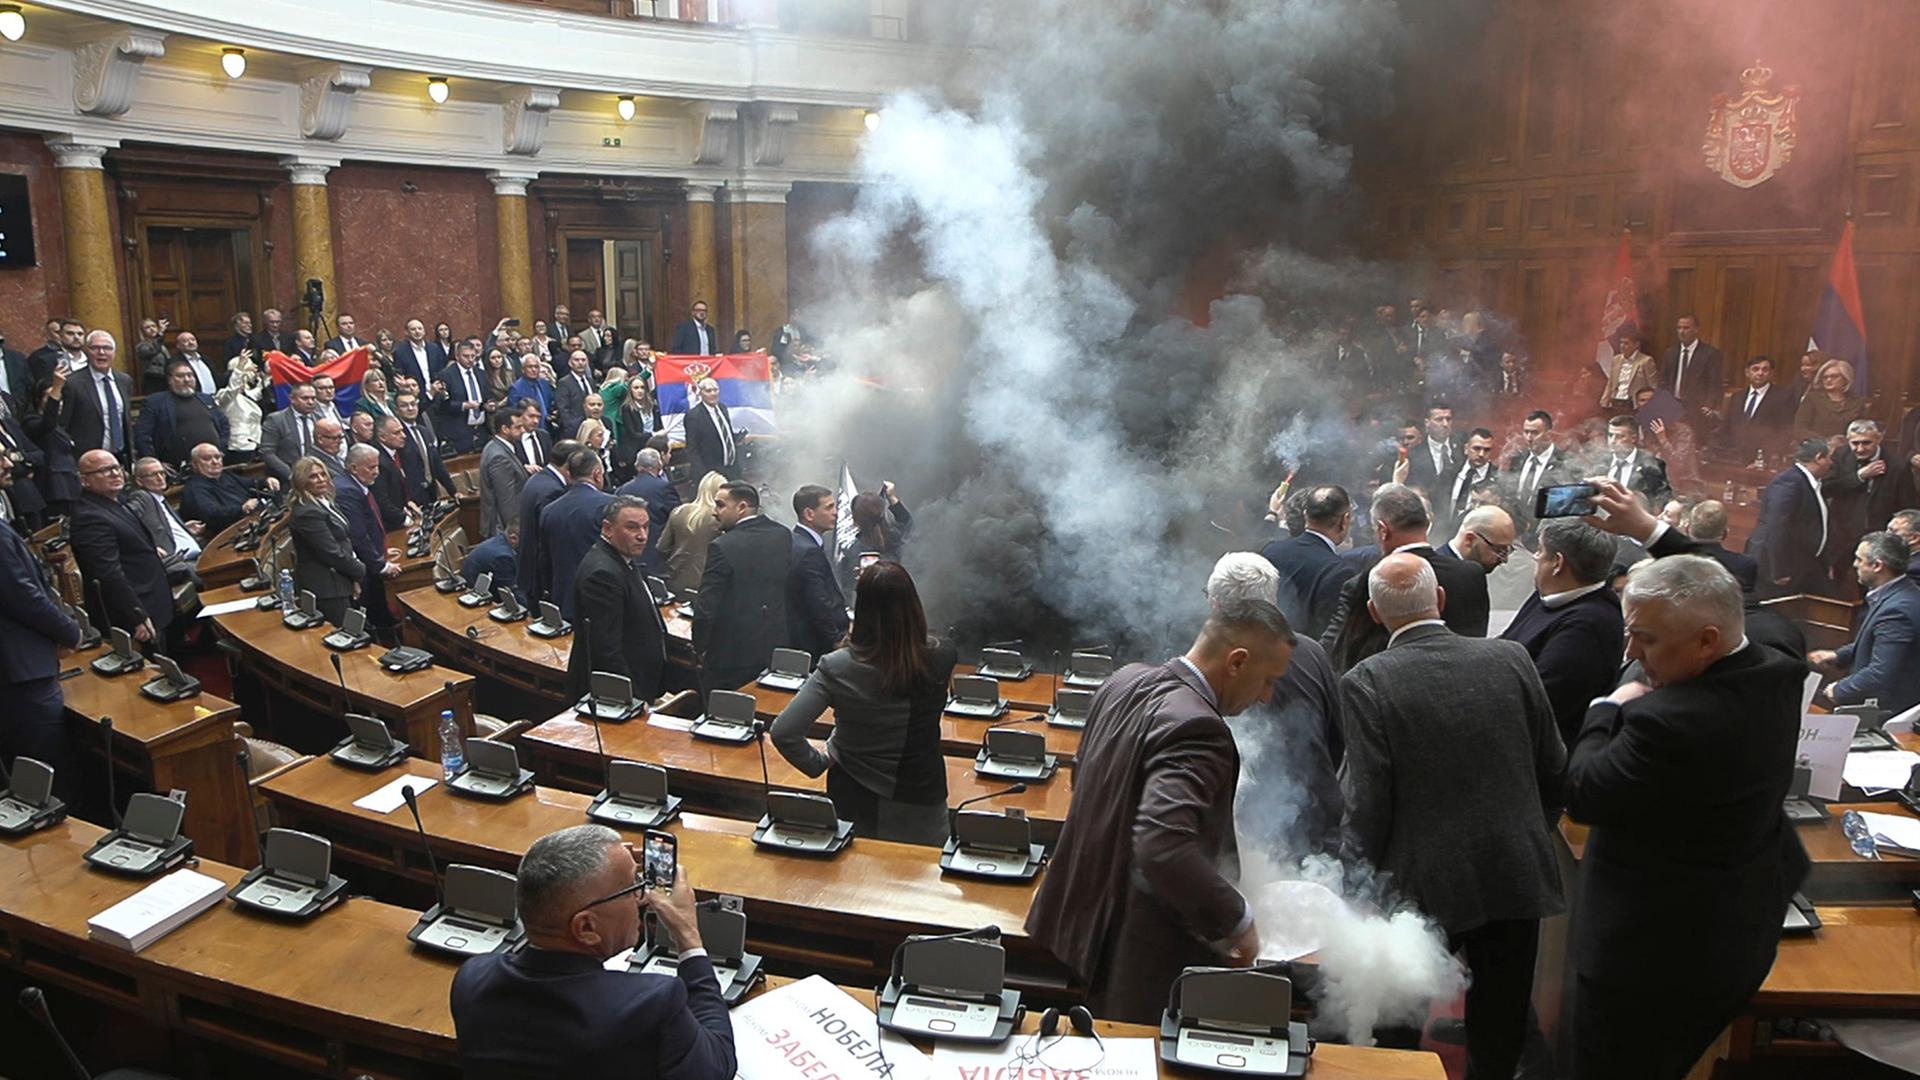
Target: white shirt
column 1680, row 369
column 1534, row 469
column 1438, row 451
column 1395, row 636
column 1325, row 539
column 1623, row 468
column 706, row 335
column 808, row 529
column 201, row 373
column 1756, row 395
column 1562, row 599
column 183, row 542
column 1819, row 502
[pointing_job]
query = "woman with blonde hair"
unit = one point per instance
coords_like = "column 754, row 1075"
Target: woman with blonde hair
column 594, row 436
column 374, row 398
column 1830, row 405
column 323, row 559
column 684, row 538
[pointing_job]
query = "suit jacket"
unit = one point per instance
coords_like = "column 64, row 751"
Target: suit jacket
column 454, row 408
column 686, row 341
column 501, row 479
column 390, row 491
column 20, row 377
column 816, row 608
column 1576, row 647
column 1645, row 376
column 493, row 556
column 118, row 560
column 1519, row 499
column 262, row 342
column 219, row 503
column 617, row 625
column 536, row 574
column 1743, row 568
column 280, row 442
column 1647, row 475
column 1142, row 880
column 1420, row 471
column 1703, row 903
column 28, row 477
column 1790, row 537
column 740, row 615
column 545, row 441
column 155, row 520
column 1454, row 808
column 1885, row 657
column 1855, row 506
column 1352, row 635
column 1448, row 508
column 539, row 391
column 1767, row 430
column 80, row 413
column 569, row 528
column 661, row 497
column 543, row 1013
column 570, row 403
column 421, row 462
column 704, row 447
column 365, row 531
column 156, row 433
column 342, row 345
column 32, row 626
column 1311, row 573
column 1706, row 376
column 323, row 559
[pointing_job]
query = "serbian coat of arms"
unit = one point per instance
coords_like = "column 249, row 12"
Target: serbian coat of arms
column 1751, row 137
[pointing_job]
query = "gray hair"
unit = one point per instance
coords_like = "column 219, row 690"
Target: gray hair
column 1588, row 551
column 1694, row 584
column 1708, row 521
column 1864, row 427
column 1242, row 575
column 386, row 424
column 554, row 869
column 1889, row 551
column 1907, row 518
column 648, row 459
column 360, row 452
column 1811, row 450
column 101, row 334
column 1422, row 594
column 1400, row 508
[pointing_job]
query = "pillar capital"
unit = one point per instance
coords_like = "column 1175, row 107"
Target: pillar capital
column 758, row 191
column 79, row 151
column 699, row 192
column 307, row 171
column 511, row 183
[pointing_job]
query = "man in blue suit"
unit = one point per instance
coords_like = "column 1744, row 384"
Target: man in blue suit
column 1311, row 569
column 544, row 486
column 354, row 496
column 552, row 1009
column 816, row 608
column 32, row 629
column 496, row 555
column 652, row 486
column 1885, row 658
column 570, row 524
column 1792, row 533
column 532, row 385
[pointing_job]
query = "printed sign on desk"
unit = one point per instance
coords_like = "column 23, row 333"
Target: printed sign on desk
column 812, row 1030
column 1824, row 740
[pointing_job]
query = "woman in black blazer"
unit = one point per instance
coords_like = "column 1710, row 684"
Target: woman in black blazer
column 323, row 559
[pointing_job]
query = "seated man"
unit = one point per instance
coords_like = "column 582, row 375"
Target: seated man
column 179, row 540
column 552, row 1009
column 497, row 555
column 216, row 496
column 1885, row 658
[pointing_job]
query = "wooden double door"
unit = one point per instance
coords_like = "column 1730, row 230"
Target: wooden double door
column 621, row 276
column 197, row 277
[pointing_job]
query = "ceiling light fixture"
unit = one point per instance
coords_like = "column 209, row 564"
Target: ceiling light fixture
column 871, row 119
column 437, row 89
column 13, row 24
column 234, row 62
column 625, row 106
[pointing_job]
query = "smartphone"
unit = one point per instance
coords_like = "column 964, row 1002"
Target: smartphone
column 1563, row 500
column 513, row 322
column 660, row 858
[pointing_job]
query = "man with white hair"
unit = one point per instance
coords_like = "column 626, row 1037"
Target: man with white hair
column 1676, row 927
column 94, row 404
column 1452, row 785
column 713, row 443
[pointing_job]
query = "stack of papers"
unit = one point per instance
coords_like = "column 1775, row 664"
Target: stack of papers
column 387, row 798
column 157, row 910
column 1897, row 833
column 1875, row 771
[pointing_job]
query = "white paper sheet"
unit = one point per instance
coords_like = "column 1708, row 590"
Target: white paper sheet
column 1880, row 770
column 386, row 798
column 1893, row 830
column 789, row 1033
column 1062, row 1057
column 1824, row 739
column 671, row 723
column 1806, row 694
column 225, row 607
column 157, row 910
column 1903, row 723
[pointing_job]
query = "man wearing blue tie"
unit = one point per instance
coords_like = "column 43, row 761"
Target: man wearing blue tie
column 463, row 409
column 93, row 404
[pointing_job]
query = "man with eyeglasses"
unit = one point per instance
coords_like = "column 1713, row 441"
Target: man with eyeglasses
column 553, row 1009
column 119, row 560
column 1485, row 539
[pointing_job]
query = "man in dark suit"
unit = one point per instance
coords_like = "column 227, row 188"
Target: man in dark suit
column 16, row 376
column 1437, row 455
column 366, row 532
column 392, row 489
column 1394, row 462
column 1142, row 880
column 287, row 435
column 461, row 399
column 713, row 443
column 1707, row 524
column 179, row 540
column 553, row 1009
column 217, row 497
column 1538, row 464
column 427, row 476
column 1571, row 626
column 617, row 625
column 126, row 582
column 347, row 339
column 1759, row 414
column 1790, row 538
column 1476, row 858
column 543, row 485
column 173, row 423
column 1455, row 495
column 95, row 402
column 25, row 460
column 498, row 555
column 32, row 630
column 270, row 337
column 1633, row 467
column 650, row 484
column 1884, row 657
column 1310, row 567
column 534, row 444
column 696, row 337
column 1400, row 524
column 1693, row 371
column 740, row 615
column 1670, row 938
column 816, row 608
column 1862, row 491
column 570, row 525
column 571, row 392
column 66, row 341
column 1905, row 524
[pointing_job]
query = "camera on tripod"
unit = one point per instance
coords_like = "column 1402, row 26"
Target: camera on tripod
column 316, row 296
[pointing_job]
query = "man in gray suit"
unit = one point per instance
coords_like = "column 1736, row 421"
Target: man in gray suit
column 1452, row 779
column 287, row 435
column 501, row 474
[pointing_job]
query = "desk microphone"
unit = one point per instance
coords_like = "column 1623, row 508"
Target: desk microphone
column 113, row 802
column 413, row 804
column 954, row 814
column 35, row 1004
column 766, row 785
column 1056, row 672
column 346, row 700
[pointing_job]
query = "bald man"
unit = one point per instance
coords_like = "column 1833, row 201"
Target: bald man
column 1452, row 780
column 1485, row 538
column 118, row 558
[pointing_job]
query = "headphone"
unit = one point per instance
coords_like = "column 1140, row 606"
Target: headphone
column 1079, row 1021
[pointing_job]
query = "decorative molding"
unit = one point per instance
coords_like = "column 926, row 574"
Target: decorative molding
column 107, row 67
column 511, row 183
column 71, row 152
column 326, row 98
column 702, row 193
column 768, row 126
column 758, row 191
column 524, row 117
column 310, row 172
column 713, row 123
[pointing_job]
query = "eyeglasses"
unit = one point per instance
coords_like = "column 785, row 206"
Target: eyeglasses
column 104, row 470
column 639, row 884
column 1502, row 550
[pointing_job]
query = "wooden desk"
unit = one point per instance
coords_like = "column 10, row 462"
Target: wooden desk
column 221, row 564
column 959, row 736
column 724, row 778
column 843, row 914
column 188, row 744
column 1862, row 962
column 1034, row 693
column 295, row 663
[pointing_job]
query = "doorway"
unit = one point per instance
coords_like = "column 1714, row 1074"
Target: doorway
column 194, row 279
column 618, row 276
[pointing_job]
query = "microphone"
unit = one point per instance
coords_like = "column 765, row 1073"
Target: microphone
column 759, row 740
column 35, row 1003
column 113, row 801
column 413, row 804
column 346, row 701
column 1056, row 672
column 953, row 815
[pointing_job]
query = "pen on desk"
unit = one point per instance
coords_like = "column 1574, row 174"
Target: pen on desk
column 69, row 673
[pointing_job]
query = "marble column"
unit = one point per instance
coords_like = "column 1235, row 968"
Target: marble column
column 93, row 272
column 312, row 239
column 516, row 265
column 757, row 220
column 703, row 268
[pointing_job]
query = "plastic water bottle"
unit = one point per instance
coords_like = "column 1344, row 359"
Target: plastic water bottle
column 453, row 753
column 286, row 590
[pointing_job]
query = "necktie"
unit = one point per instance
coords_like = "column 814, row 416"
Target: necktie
column 1753, row 401
column 420, row 442
column 374, row 509
column 726, row 437
column 1680, row 370
column 112, row 409
column 532, row 443
column 306, row 433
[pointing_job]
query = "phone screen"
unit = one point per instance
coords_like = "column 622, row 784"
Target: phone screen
column 661, row 853
column 1563, row 500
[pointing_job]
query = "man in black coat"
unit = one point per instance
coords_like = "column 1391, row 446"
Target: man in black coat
column 217, row 497
column 1693, row 371
column 1634, row 467
column 650, row 484
column 126, row 582
column 1400, row 522
column 1790, row 539
column 1759, row 414
column 1861, row 492
column 27, row 462
column 96, row 402
column 816, row 608
column 1707, row 524
column 366, row 532
column 713, row 443
column 570, row 393
column 420, row 457
column 1310, row 566
column 1538, row 464
column 1675, row 929
column 740, row 615
column 391, row 488
column 1432, row 463
column 616, row 620
column 696, row 336
column 1571, row 626
column 542, row 487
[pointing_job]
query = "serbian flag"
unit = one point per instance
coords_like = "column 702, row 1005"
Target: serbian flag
column 347, row 371
column 1621, row 312
column 746, row 389
column 1839, row 328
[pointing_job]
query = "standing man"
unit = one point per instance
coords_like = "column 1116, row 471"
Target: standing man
column 544, row 484
column 287, row 435
column 1436, row 456
column 570, row 397
column 535, row 447
column 346, row 340
column 425, row 469
column 740, row 614
column 650, row 484
column 323, row 406
column 1630, row 372
column 126, row 581
column 1791, row 535
column 365, row 531
column 1670, row 938
column 1477, row 468
column 570, row 524
column 1485, row 539
column 412, row 357
column 460, row 388
column 1885, row 658
column 269, row 337
column 616, row 619
column 1537, row 465
column 173, row 423
column 501, row 477
column 186, row 349
column 816, row 608
column 1476, row 857
column 713, row 443
column 93, row 407
column 1571, row 625
column 1310, row 567
column 1759, row 414
column 695, row 337
column 1137, row 891
column 1861, row 490
column 1634, row 468
column 1400, row 524
column 1691, row 371
column 32, row 630
column 65, row 345
column 390, row 487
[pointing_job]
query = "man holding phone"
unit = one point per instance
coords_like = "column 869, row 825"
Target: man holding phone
column 552, row 1009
